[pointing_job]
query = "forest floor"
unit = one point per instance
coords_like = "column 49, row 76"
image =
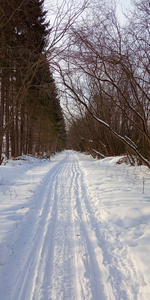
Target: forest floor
column 74, row 228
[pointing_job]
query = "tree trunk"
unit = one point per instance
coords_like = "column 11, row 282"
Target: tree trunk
column 2, row 100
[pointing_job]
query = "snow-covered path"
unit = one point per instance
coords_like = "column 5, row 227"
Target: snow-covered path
column 62, row 262
column 62, row 248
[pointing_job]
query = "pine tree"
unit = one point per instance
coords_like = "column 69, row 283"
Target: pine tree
column 30, row 111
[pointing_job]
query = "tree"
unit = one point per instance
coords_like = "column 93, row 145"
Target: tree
column 29, row 99
column 102, row 57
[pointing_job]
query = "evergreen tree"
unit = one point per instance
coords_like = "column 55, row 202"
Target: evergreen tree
column 29, row 99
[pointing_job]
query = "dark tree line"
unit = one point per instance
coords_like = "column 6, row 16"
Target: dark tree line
column 31, row 118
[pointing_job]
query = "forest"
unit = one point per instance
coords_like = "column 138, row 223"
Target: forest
column 31, row 118
column 102, row 79
column 107, row 74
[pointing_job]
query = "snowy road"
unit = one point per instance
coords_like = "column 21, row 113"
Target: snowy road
column 64, row 260
column 71, row 231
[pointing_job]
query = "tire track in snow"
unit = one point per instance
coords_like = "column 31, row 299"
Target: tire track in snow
column 30, row 276
column 116, row 284
column 91, row 253
column 64, row 260
column 75, row 272
column 60, row 272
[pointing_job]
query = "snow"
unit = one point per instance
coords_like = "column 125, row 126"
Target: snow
column 74, row 228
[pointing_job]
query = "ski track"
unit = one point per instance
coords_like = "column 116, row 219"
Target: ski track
column 64, row 260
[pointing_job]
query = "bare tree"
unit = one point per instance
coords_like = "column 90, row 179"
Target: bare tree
column 102, row 55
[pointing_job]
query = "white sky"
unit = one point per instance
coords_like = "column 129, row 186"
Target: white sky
column 123, row 5
column 126, row 3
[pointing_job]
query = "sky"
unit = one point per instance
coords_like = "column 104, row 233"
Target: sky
column 123, row 6
column 126, row 3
